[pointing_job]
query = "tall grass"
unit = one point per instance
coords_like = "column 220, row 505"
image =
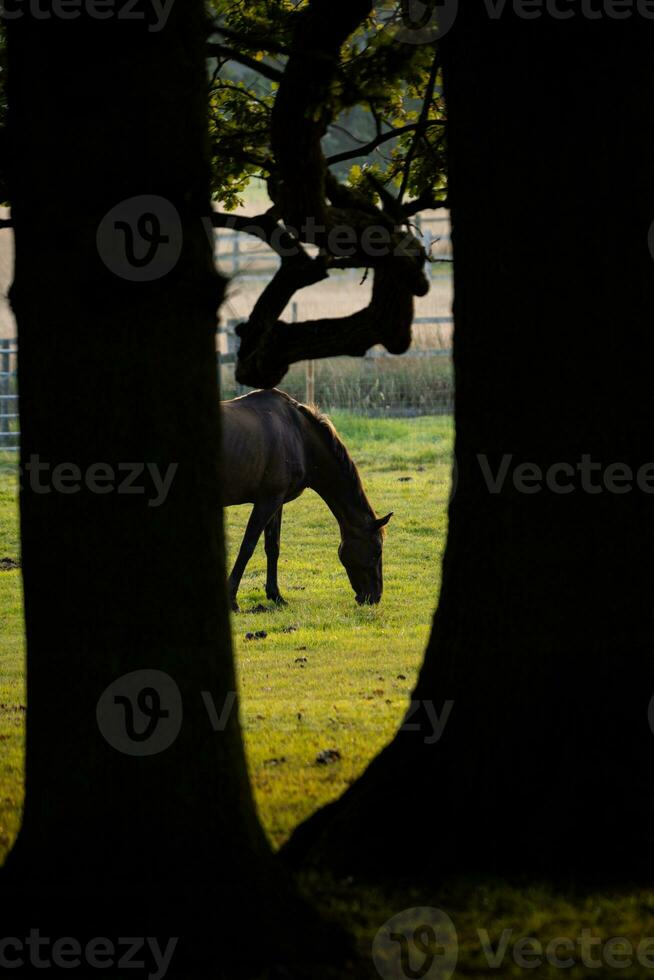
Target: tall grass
column 416, row 385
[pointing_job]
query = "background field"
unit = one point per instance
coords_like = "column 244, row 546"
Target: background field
column 329, row 675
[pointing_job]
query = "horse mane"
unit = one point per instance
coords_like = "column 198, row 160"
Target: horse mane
column 328, row 433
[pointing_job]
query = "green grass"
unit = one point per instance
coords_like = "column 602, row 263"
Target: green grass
column 338, row 667
column 329, row 675
column 342, row 679
column 12, row 673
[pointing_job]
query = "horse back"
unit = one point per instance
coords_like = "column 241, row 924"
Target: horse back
column 264, row 451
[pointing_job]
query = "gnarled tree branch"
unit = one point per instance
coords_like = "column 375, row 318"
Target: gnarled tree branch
column 267, row 355
column 317, row 209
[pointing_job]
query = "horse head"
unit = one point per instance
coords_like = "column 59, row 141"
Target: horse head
column 360, row 553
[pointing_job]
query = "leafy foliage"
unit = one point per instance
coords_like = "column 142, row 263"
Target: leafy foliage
column 380, row 88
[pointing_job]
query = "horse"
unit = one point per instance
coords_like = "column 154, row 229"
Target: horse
column 275, row 448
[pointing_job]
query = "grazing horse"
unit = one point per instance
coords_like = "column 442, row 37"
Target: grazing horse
column 274, row 448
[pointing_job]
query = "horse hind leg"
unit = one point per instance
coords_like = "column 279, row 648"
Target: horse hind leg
column 272, row 538
column 261, row 514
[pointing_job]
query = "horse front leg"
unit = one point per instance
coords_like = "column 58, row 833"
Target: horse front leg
column 272, row 537
column 262, row 511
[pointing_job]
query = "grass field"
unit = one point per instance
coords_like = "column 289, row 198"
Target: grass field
column 342, row 678
column 329, row 675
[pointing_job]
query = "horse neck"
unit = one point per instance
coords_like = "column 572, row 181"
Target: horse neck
column 339, row 486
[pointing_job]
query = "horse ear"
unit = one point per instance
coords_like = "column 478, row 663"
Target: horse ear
column 382, row 522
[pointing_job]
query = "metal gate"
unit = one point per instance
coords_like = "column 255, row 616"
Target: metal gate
column 9, row 434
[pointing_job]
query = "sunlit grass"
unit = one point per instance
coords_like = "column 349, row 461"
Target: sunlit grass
column 328, row 675
column 331, row 675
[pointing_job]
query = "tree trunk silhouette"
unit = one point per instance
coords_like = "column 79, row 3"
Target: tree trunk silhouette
column 543, row 635
column 117, row 366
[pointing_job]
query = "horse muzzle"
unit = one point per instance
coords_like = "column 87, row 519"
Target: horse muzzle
column 368, row 600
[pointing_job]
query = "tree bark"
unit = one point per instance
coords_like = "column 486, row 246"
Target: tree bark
column 117, row 371
column 542, row 638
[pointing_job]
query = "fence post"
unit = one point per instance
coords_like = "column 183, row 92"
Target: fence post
column 310, row 385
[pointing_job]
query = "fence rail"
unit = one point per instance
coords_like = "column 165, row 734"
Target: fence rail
column 418, row 383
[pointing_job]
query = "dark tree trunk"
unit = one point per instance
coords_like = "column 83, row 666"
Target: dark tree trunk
column 116, row 371
column 543, row 635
